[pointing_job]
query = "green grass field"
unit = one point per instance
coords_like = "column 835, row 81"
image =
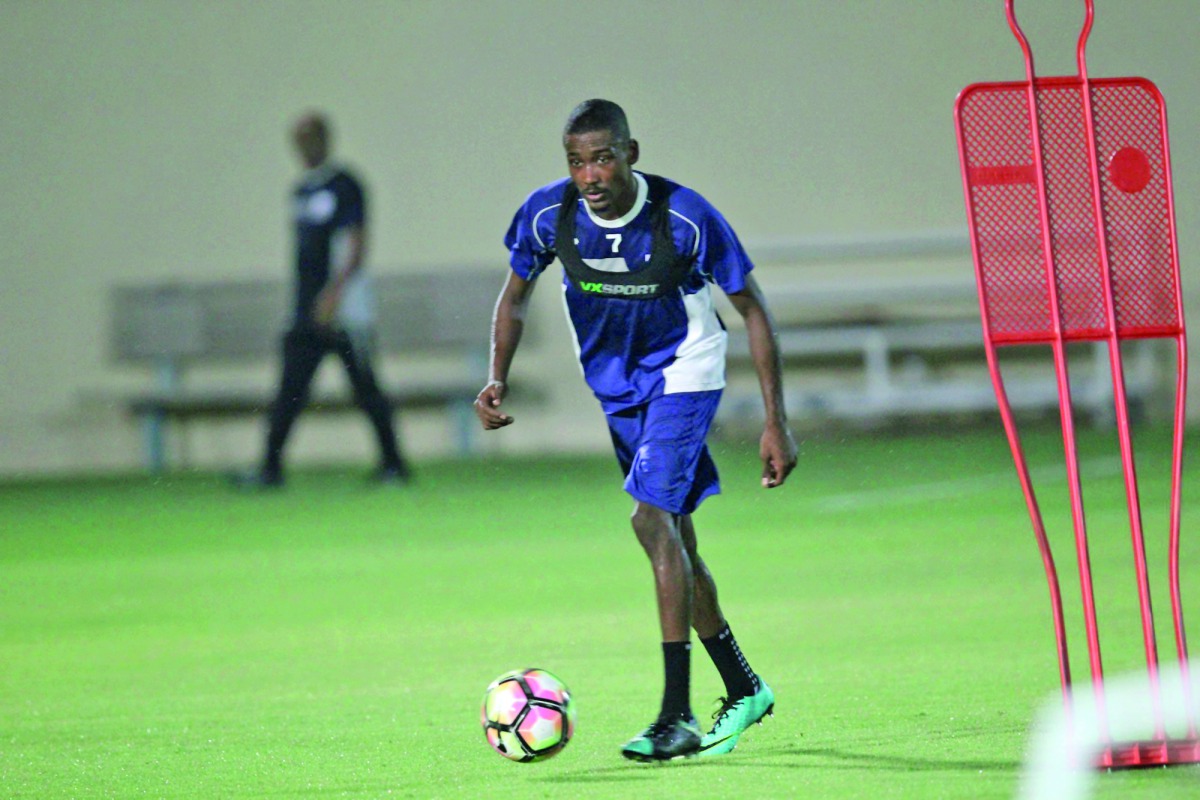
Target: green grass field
column 172, row 638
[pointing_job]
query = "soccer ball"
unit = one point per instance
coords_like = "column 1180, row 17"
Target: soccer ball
column 528, row 715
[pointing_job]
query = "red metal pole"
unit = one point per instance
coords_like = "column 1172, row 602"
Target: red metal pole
column 1120, row 399
column 1018, row 454
column 1064, row 387
column 1180, row 424
column 1039, row 528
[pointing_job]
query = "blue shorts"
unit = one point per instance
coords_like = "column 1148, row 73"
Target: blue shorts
column 661, row 449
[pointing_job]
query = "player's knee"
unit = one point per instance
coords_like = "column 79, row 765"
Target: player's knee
column 654, row 527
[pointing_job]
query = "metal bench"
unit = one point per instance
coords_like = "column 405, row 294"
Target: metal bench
column 895, row 376
column 879, row 326
column 439, row 318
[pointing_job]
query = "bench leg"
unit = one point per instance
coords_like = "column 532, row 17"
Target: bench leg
column 878, row 369
column 168, row 377
column 154, row 441
column 465, row 422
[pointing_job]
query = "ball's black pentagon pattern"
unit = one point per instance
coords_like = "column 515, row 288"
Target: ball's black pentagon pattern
column 527, row 715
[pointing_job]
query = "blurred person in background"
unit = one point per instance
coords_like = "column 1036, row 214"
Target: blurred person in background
column 333, row 311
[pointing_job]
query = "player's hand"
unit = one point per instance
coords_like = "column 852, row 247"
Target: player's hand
column 326, row 305
column 487, row 406
column 777, row 449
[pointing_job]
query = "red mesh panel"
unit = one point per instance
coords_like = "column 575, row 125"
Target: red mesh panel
column 998, row 153
column 1072, row 215
column 1005, row 209
column 1140, row 249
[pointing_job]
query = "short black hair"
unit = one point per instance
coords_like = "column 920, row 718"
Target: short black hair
column 598, row 115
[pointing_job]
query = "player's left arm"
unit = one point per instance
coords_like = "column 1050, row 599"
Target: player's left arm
column 352, row 225
column 330, row 296
column 777, row 448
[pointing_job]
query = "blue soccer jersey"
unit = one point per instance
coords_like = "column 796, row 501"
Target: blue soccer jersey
column 631, row 350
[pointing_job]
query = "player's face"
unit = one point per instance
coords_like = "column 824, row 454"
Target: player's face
column 311, row 142
column 602, row 171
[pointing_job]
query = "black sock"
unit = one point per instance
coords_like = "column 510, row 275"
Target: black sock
column 740, row 680
column 677, row 664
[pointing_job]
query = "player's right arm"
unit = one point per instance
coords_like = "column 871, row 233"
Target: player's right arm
column 530, row 241
column 508, row 323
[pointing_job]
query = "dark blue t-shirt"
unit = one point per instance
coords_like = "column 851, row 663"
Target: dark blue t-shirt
column 326, row 202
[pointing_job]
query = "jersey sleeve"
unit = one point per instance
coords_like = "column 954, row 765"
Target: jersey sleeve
column 352, row 204
column 530, row 237
column 720, row 256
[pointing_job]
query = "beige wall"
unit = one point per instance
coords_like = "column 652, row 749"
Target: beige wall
column 146, row 140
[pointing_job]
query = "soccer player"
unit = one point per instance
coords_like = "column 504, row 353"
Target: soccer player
column 332, row 305
column 640, row 255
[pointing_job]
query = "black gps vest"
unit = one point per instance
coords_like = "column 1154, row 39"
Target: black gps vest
column 663, row 275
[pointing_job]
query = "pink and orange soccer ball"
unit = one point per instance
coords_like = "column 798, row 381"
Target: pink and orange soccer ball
column 528, row 715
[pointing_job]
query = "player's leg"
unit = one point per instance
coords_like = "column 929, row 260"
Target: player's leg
column 302, row 354
column 658, row 532
column 707, row 619
column 675, row 732
column 354, row 350
column 748, row 698
column 661, row 476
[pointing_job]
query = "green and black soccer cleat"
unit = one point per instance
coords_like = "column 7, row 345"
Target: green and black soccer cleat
column 734, row 717
column 666, row 739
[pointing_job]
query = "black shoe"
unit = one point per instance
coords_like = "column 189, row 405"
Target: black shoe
column 677, row 737
column 256, row 480
column 392, row 476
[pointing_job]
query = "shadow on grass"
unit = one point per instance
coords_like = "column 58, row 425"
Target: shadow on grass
column 833, row 758
column 813, row 758
column 621, row 773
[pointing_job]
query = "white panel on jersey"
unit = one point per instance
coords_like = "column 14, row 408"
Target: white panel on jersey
column 699, row 364
column 320, row 207
column 538, row 216
column 607, row 264
column 574, row 333
column 695, row 230
column 357, row 309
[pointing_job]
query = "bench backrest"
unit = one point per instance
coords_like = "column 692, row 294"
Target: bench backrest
column 243, row 319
